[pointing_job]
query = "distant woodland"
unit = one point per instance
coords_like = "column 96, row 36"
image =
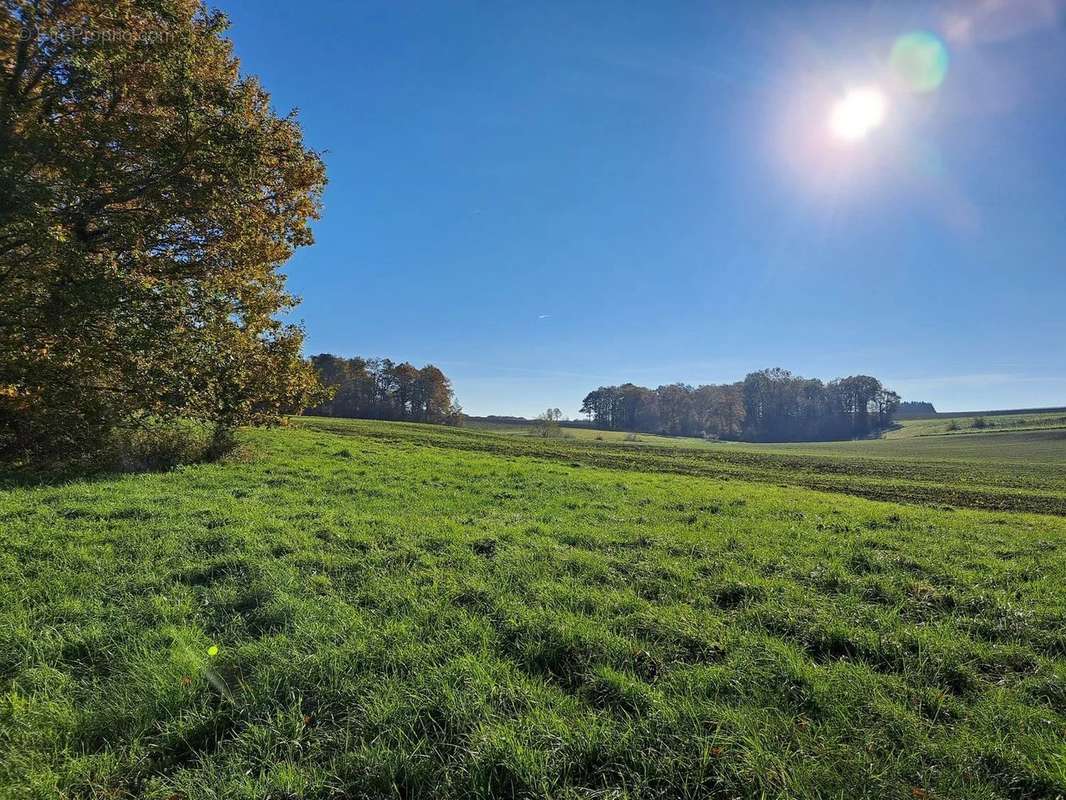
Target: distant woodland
column 769, row 405
column 915, row 409
column 372, row 388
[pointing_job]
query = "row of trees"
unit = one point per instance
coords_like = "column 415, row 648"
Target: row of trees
column 676, row 409
column 915, row 408
column 372, row 388
column 768, row 405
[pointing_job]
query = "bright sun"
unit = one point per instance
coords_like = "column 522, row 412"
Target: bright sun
column 857, row 113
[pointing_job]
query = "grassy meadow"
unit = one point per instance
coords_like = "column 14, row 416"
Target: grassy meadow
column 1022, row 472
column 980, row 423
column 365, row 609
column 1043, row 423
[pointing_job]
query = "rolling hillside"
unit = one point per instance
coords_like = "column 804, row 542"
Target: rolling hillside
column 395, row 610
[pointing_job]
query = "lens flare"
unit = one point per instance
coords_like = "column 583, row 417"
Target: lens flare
column 857, row 113
column 920, row 61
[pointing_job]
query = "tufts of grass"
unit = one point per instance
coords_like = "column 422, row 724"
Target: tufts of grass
column 995, row 471
column 392, row 612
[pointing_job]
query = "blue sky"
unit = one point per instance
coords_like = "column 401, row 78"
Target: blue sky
column 545, row 197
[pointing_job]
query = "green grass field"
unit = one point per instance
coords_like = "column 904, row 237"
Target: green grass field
column 1021, row 471
column 978, row 424
column 361, row 609
column 1014, row 422
column 592, row 435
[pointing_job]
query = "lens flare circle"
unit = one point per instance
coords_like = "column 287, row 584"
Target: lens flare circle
column 920, row 61
column 857, row 113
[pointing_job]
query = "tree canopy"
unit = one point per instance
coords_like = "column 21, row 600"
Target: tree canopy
column 148, row 197
column 916, row 408
column 768, row 405
column 371, row 388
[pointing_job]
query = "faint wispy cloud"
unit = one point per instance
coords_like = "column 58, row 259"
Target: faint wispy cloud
column 998, row 20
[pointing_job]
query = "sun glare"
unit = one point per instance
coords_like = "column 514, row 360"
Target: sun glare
column 857, row 113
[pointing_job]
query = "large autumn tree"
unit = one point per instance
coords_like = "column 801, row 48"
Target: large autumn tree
column 148, row 198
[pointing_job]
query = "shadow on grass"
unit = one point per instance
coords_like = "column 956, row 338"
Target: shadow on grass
column 145, row 455
column 26, row 477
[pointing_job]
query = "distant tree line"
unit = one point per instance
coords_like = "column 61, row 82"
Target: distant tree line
column 768, row 405
column 914, row 408
column 676, row 409
column 373, row 388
